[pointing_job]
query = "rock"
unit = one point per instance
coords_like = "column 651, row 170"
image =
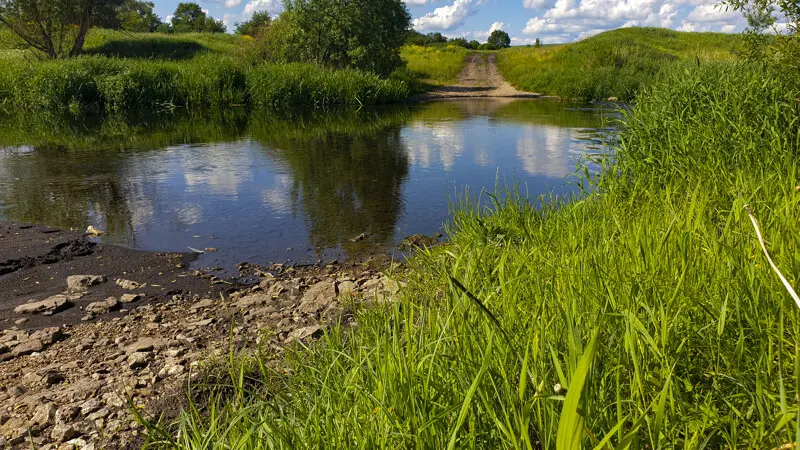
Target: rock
column 63, row 432
column 101, row 413
column 346, row 288
column 75, row 444
column 66, row 414
column 139, row 360
column 44, row 415
column 48, row 336
column 109, row 304
column 90, row 406
column 129, row 285
column 82, row 283
column 51, row 378
column 28, row 347
column 20, row 321
column 46, row 307
column 318, row 297
column 176, row 370
column 359, row 238
column 300, row 334
column 253, row 300
column 145, row 345
column 130, row 298
column 613, row 99
column 207, row 303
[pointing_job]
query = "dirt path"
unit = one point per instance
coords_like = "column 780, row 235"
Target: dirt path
column 480, row 79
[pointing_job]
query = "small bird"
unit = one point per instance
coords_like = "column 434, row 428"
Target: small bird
column 92, row 231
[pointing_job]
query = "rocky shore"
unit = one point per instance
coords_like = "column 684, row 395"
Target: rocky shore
column 72, row 385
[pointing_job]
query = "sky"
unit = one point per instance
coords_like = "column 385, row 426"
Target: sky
column 552, row 21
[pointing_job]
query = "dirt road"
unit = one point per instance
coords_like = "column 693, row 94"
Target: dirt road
column 480, row 79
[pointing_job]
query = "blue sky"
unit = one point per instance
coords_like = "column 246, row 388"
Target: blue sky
column 554, row 21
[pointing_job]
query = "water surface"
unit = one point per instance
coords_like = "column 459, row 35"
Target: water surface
column 260, row 187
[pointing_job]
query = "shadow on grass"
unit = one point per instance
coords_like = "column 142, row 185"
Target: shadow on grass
column 153, row 48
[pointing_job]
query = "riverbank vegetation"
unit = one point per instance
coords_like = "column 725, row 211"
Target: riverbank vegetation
column 616, row 63
column 641, row 313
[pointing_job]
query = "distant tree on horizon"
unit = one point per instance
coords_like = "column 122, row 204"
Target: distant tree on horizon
column 190, row 18
column 255, row 25
column 499, row 39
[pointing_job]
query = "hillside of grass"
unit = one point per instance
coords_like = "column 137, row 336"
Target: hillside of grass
column 435, row 65
column 616, row 63
column 640, row 314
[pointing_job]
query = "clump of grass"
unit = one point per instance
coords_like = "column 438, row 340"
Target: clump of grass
column 616, row 63
column 113, row 84
column 436, row 65
column 639, row 313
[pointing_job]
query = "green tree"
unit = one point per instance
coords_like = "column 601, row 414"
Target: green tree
column 56, row 28
column 138, row 16
column 365, row 34
column 474, row 45
column 190, row 18
column 437, row 38
column 537, row 43
column 499, row 39
column 461, row 42
column 255, row 25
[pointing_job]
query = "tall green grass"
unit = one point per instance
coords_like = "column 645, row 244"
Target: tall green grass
column 116, row 84
column 616, row 63
column 638, row 314
column 436, row 65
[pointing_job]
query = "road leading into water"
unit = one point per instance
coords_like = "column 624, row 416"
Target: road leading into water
column 480, row 78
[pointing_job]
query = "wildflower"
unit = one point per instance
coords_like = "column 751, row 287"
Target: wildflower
column 558, row 388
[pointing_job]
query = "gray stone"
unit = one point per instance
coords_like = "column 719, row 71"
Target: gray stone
column 130, row 298
column 346, row 288
column 109, row 304
column 207, row 303
column 44, row 414
column 300, row 334
column 48, row 336
column 101, row 413
column 252, row 301
column 82, row 283
column 318, row 297
column 145, row 345
column 51, row 378
column 63, row 432
column 28, row 347
column 139, row 360
column 129, row 285
column 45, row 307
column 90, row 406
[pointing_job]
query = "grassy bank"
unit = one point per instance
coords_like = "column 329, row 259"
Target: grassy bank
column 616, row 63
column 641, row 313
column 117, row 84
column 435, row 65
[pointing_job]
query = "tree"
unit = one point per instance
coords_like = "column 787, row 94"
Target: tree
column 138, row 16
column 57, row 28
column 255, row 25
column 461, row 42
column 190, row 18
column 760, row 14
column 784, row 49
column 437, row 38
column 365, row 34
column 537, row 42
column 499, row 39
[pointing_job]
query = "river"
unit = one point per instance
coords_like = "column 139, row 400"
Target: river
column 263, row 188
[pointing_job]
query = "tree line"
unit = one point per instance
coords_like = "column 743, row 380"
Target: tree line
column 498, row 39
column 58, row 28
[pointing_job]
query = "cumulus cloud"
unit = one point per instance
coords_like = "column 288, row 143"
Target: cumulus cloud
column 569, row 20
column 232, row 3
column 273, row 7
column 445, row 17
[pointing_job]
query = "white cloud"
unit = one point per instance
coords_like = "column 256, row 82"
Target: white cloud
column 417, row 2
column 273, row 7
column 445, row 17
column 578, row 19
column 232, row 3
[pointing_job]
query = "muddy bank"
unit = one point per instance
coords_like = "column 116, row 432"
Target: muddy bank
column 36, row 261
column 70, row 385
